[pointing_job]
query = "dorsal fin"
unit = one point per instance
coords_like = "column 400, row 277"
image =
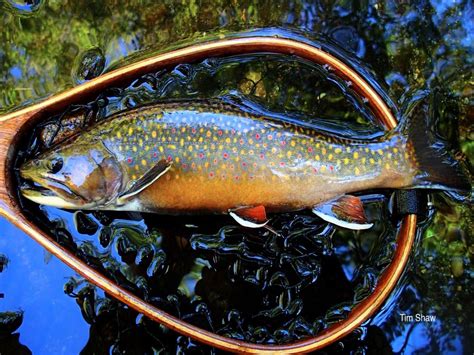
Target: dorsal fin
column 137, row 186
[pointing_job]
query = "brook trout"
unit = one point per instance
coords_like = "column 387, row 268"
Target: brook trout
column 212, row 157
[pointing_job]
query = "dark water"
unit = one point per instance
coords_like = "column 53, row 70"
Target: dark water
column 204, row 270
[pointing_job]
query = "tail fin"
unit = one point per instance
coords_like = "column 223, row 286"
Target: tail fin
column 437, row 168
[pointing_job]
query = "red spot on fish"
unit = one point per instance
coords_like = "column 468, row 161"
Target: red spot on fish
column 282, row 163
column 193, row 166
column 225, row 155
column 241, row 141
column 211, row 174
column 315, row 170
column 233, row 131
column 223, row 176
column 310, row 149
column 331, row 167
column 236, row 177
column 173, row 130
column 270, row 137
column 184, row 165
column 129, row 160
column 193, row 130
column 283, row 143
column 244, row 164
column 257, row 136
column 201, row 155
column 254, row 165
column 251, row 177
column 215, row 161
column 262, row 156
column 170, row 158
column 219, row 132
column 155, row 154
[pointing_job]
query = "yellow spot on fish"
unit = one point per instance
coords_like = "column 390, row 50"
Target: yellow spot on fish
column 363, row 160
column 227, row 140
column 292, row 143
column 206, row 164
column 395, row 150
column 288, row 154
column 161, row 149
column 120, row 148
column 181, row 142
column 190, row 148
column 208, row 134
column 183, row 129
column 317, row 158
column 134, row 148
column 356, row 170
column 387, row 166
column 366, row 149
column 119, row 135
column 380, row 151
column 176, row 159
column 200, row 140
column 153, row 134
column 330, row 157
column 337, row 150
column 137, row 167
column 348, row 149
column 140, row 142
column 323, row 151
column 130, row 131
column 372, row 161
column 346, row 161
column 356, row 155
column 143, row 162
column 134, row 177
column 323, row 168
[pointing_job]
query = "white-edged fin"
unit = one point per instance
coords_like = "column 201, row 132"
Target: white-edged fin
column 157, row 171
column 341, row 223
column 346, row 211
column 246, row 223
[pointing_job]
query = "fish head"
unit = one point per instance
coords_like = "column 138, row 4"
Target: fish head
column 73, row 176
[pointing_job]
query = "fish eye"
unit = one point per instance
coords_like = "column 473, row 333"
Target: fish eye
column 55, row 165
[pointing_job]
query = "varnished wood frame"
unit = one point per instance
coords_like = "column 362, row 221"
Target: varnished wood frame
column 12, row 126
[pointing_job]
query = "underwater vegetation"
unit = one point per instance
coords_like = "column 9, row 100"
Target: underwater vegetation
column 206, row 270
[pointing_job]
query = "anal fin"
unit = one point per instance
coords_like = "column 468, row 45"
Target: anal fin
column 346, row 211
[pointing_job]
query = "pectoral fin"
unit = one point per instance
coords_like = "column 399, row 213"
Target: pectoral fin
column 250, row 217
column 346, row 211
column 137, row 186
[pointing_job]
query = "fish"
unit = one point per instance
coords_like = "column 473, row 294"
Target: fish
column 213, row 157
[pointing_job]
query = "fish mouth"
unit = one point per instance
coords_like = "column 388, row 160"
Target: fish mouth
column 43, row 196
column 50, row 192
